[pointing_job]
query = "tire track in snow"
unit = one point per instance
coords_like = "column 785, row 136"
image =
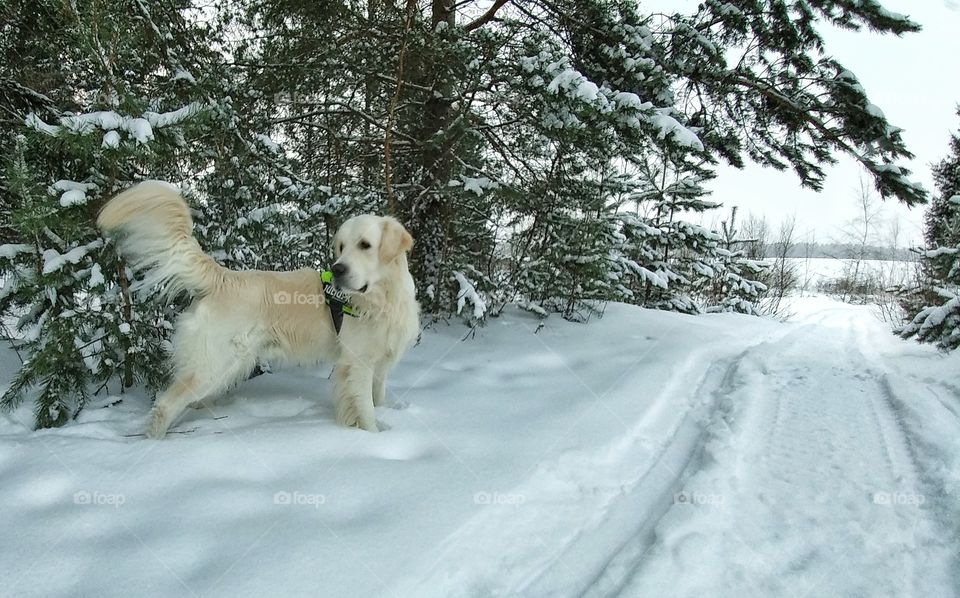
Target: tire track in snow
column 817, row 477
column 621, row 568
column 618, row 568
column 581, row 507
column 932, row 532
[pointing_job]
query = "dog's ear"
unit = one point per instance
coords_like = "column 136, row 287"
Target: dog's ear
column 394, row 239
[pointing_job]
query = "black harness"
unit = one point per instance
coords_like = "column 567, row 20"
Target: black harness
column 336, row 301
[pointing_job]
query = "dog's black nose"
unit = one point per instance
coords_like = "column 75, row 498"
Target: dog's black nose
column 338, row 269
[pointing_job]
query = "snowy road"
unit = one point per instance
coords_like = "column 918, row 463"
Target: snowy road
column 644, row 454
column 812, row 486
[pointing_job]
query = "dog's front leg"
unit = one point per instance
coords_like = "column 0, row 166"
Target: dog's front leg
column 380, row 383
column 354, row 398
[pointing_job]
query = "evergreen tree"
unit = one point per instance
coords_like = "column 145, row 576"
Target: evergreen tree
column 127, row 116
column 672, row 191
column 934, row 308
column 524, row 94
column 556, row 154
column 735, row 286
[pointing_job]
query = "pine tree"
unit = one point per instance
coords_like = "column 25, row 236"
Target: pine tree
column 735, row 286
column 80, row 321
column 672, row 191
column 934, row 308
column 557, row 154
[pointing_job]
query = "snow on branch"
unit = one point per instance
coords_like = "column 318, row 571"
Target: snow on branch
column 626, row 107
column 140, row 129
column 468, row 292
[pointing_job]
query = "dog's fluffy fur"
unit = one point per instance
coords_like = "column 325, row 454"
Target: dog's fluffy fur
column 238, row 317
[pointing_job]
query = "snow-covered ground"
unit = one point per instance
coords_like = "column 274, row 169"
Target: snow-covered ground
column 646, row 453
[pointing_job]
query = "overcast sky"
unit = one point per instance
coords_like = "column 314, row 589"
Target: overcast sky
column 914, row 79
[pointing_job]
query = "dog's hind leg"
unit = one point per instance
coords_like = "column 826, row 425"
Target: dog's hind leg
column 193, row 388
column 170, row 404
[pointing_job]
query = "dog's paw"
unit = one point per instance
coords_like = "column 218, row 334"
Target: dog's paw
column 369, row 426
column 350, row 415
column 351, row 419
column 346, row 417
column 157, row 424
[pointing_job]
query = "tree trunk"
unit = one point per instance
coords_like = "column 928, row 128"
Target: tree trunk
column 430, row 212
column 128, row 318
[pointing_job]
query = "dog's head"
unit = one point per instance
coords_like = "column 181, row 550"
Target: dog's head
column 365, row 247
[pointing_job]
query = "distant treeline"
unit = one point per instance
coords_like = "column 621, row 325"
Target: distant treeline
column 846, row 251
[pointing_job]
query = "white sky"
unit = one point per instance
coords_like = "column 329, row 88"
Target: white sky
column 914, row 79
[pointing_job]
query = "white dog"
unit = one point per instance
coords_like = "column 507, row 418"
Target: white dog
column 240, row 316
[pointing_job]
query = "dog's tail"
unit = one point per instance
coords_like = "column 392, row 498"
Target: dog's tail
column 156, row 236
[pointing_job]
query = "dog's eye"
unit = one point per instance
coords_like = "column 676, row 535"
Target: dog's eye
column 340, row 248
column 363, row 245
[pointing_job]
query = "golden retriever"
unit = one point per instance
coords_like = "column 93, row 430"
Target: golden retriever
column 238, row 317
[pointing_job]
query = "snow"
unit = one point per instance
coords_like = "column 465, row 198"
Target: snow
column 893, row 15
column 850, row 80
column 260, row 214
column 54, row 260
column 626, row 99
column 468, row 292
column 35, row 122
column 874, row 111
column 575, row 83
column 111, row 139
column 184, row 75
column 96, row 276
column 667, row 125
column 84, row 123
column 631, row 110
column 72, row 192
column 587, row 90
column 810, row 482
column 477, row 185
column 719, row 455
column 941, row 251
column 815, row 271
column 12, row 250
column 64, row 185
column 165, row 119
column 647, row 275
column 888, row 167
column 72, row 198
column 140, row 129
column 270, row 144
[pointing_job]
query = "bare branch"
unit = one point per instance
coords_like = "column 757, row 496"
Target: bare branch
column 485, row 17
